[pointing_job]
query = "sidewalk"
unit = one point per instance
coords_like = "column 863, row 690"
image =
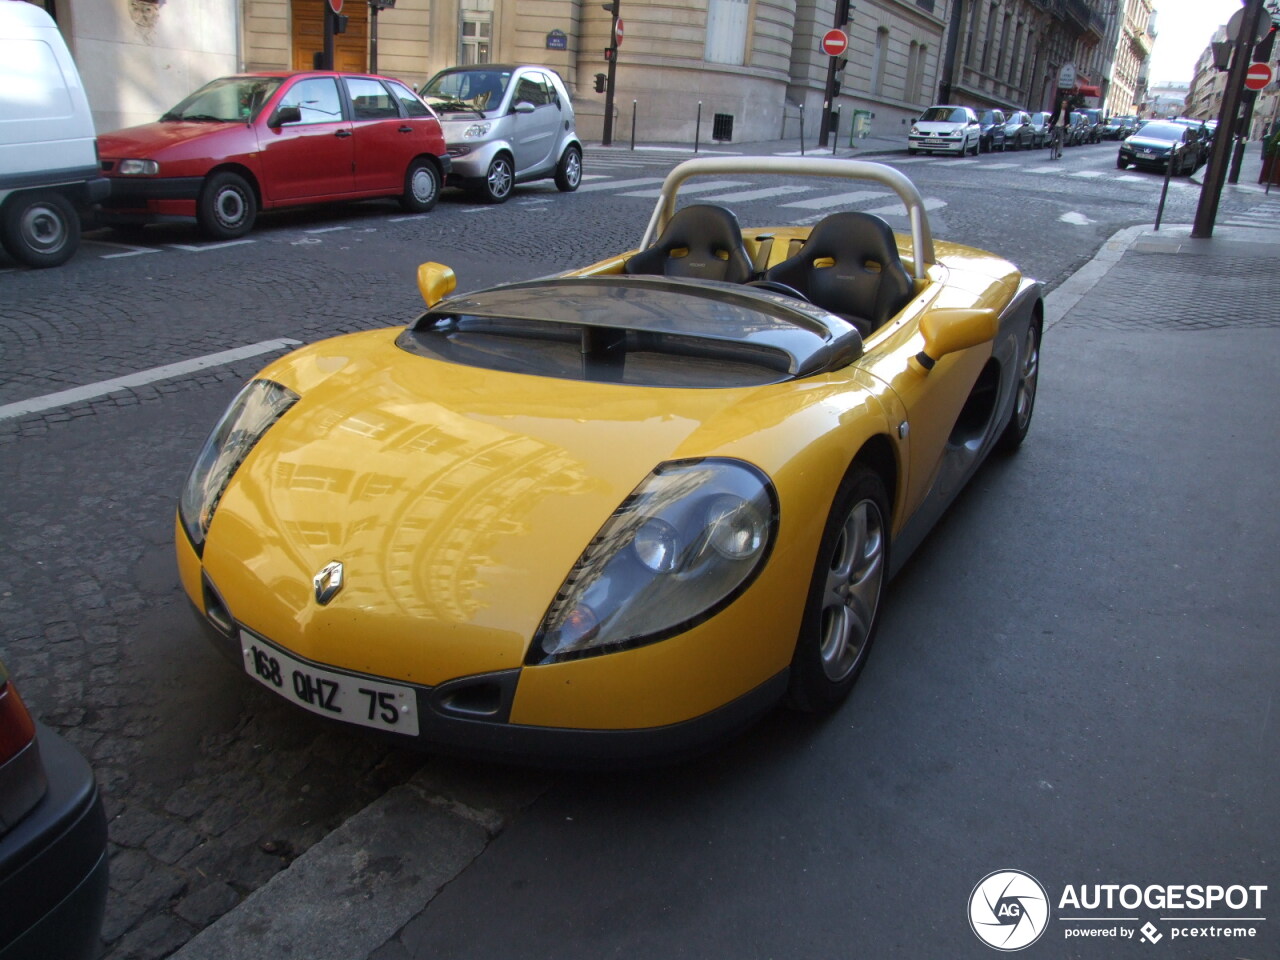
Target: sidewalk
column 353, row 895
column 865, row 147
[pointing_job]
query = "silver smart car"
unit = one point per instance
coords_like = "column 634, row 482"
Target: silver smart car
column 505, row 125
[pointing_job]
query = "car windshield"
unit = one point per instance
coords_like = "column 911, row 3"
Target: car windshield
column 990, row 116
column 229, row 100
column 1038, row 118
column 1160, row 130
column 459, row 90
column 944, row 114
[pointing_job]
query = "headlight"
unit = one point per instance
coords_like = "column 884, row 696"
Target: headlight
column 680, row 549
column 915, row 131
column 260, row 404
column 138, row 168
column 476, row 130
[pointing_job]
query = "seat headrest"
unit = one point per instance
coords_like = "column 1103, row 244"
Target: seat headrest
column 703, row 241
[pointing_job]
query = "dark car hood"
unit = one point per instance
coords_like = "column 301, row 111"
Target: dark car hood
column 146, row 139
column 1149, row 142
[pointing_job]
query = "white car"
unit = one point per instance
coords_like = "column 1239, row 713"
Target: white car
column 504, row 125
column 946, row 129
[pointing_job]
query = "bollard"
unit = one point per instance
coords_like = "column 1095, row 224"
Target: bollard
column 802, row 131
column 1175, row 153
column 835, row 130
column 633, row 124
column 697, row 127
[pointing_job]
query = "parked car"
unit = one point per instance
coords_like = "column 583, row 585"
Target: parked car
column 945, row 128
column 1092, row 119
column 992, row 124
column 53, row 841
column 1078, row 131
column 1040, row 128
column 1201, row 133
column 1018, row 132
column 1150, row 148
column 566, row 526
column 505, row 125
column 48, row 165
column 267, row 140
column 1117, row 128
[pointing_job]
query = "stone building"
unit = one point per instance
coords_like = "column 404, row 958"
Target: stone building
column 1126, row 90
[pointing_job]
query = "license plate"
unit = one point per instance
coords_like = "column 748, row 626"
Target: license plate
column 342, row 696
column 936, row 143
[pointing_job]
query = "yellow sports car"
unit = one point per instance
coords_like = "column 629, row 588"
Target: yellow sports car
column 620, row 511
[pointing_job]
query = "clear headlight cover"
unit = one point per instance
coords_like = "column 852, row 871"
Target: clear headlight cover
column 476, row 130
column 139, row 168
column 260, row 404
column 678, row 550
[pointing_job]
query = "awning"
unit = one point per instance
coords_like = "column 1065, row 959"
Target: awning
column 1087, row 90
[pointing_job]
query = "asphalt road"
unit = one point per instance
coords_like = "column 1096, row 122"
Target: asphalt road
column 995, row 725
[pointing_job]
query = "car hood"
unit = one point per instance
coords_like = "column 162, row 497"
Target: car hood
column 1149, row 143
column 938, row 126
column 456, row 498
column 148, row 139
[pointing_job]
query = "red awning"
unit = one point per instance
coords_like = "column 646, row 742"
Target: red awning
column 1087, row 90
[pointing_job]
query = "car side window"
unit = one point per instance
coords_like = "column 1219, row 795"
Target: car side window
column 316, row 99
column 533, row 89
column 413, row 107
column 370, row 99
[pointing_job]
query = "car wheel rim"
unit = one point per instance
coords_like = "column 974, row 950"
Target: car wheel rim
column 423, row 185
column 573, row 168
column 852, row 590
column 1027, row 382
column 229, row 208
column 43, row 228
column 499, row 178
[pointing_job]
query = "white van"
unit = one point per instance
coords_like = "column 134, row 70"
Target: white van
column 49, row 168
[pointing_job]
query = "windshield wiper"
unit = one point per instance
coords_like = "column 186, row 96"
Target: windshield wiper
column 195, row 117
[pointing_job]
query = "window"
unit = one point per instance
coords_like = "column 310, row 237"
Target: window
column 1013, row 59
column 991, row 35
column 913, row 69
column 532, row 87
column 413, row 107
column 726, row 31
column 477, row 33
column 922, row 55
column 370, row 100
column 316, row 98
column 877, row 65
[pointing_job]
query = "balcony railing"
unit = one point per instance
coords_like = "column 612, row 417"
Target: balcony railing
column 1078, row 11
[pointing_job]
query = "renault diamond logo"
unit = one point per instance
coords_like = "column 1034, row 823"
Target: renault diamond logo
column 328, row 582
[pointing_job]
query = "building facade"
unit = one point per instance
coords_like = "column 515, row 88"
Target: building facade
column 1136, row 35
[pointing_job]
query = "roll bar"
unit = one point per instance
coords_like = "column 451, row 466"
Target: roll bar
column 921, row 236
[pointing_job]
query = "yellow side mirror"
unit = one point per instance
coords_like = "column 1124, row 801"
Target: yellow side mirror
column 435, row 282
column 951, row 329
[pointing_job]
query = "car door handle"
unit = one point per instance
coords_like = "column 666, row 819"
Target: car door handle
column 406, row 129
column 342, row 133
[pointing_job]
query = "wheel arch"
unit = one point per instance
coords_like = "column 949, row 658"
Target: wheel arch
column 240, row 170
column 879, row 454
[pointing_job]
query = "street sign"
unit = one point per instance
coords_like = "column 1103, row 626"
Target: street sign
column 1067, row 76
column 1236, row 23
column 617, row 33
column 834, row 43
column 335, row 6
column 1259, row 75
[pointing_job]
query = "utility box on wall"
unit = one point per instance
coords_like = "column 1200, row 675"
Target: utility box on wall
column 722, row 127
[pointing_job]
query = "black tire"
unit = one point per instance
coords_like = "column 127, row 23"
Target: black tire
column 841, row 613
column 912, row 151
column 1121, row 163
column 40, row 229
column 421, row 186
column 569, row 170
column 498, row 180
column 227, row 207
column 1024, row 398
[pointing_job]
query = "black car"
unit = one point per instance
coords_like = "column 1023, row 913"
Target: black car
column 992, row 136
column 1152, row 145
column 53, row 841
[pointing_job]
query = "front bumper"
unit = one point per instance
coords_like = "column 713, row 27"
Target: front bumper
column 945, row 142
column 471, row 716
column 469, row 161
column 53, row 864
column 143, row 199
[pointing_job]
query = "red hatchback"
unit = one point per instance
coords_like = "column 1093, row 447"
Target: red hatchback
column 256, row 141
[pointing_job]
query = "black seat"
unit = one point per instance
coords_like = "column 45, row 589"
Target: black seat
column 850, row 266
column 701, row 241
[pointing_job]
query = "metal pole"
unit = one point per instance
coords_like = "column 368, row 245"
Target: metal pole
column 835, row 130
column 329, row 17
column 1175, row 153
column 633, row 124
column 802, row 129
column 607, row 139
column 828, row 103
column 1211, row 192
column 697, row 127
column 373, row 37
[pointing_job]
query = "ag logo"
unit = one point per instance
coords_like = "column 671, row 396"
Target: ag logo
column 1008, row 910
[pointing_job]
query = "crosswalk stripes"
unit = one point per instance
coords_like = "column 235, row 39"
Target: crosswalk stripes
column 698, row 186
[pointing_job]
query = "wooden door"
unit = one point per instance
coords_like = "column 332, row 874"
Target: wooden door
column 350, row 49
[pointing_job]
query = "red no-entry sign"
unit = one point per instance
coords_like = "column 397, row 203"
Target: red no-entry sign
column 1259, row 76
column 335, row 6
column 617, row 33
column 834, row 43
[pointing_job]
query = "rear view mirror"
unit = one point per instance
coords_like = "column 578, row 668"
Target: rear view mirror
column 949, row 330
column 285, row 115
column 435, row 282
column 524, row 106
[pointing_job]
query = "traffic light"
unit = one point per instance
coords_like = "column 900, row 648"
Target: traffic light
column 611, row 7
column 608, row 54
column 599, row 83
